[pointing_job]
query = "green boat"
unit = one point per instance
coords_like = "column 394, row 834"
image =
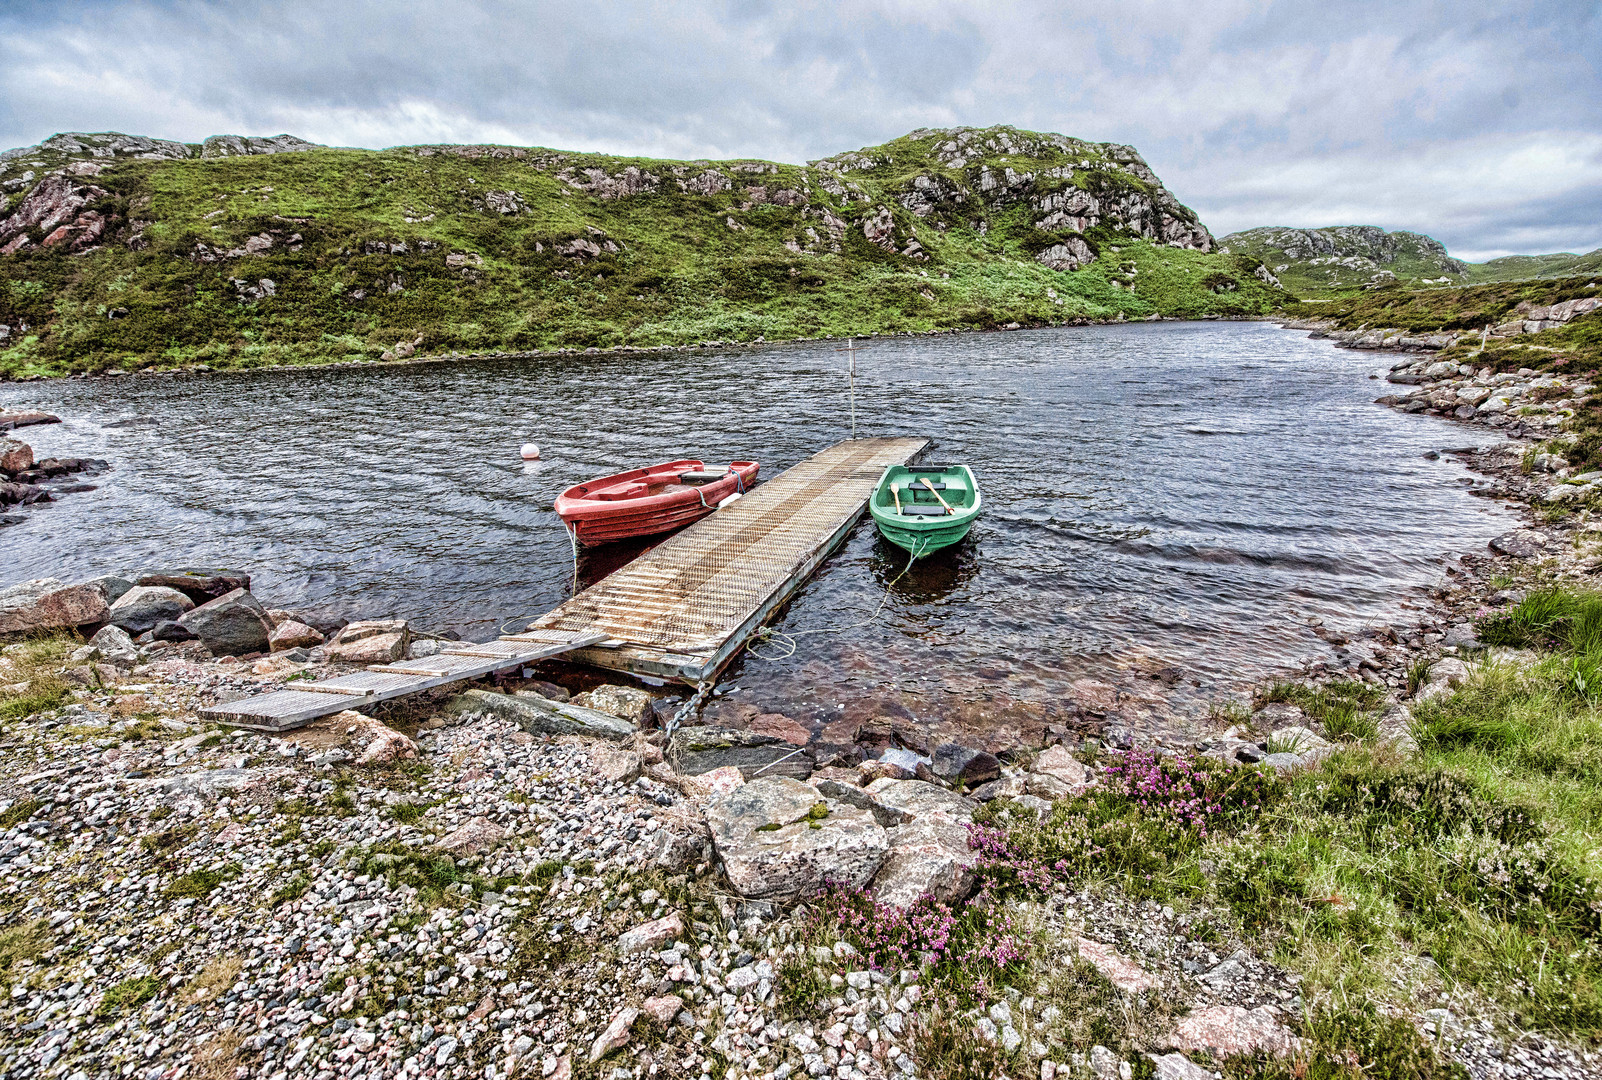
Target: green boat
column 923, row 508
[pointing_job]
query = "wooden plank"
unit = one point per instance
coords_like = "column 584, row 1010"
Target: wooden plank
column 293, row 705
column 686, row 608
column 326, row 688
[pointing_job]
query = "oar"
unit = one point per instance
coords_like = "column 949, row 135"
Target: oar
column 925, row 482
column 895, row 493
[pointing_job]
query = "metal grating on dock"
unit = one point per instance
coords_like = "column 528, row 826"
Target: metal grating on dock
column 683, row 609
column 301, row 703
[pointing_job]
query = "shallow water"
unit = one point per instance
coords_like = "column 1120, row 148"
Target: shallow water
column 1161, row 498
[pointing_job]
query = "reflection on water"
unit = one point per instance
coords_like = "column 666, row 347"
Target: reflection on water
column 1161, row 499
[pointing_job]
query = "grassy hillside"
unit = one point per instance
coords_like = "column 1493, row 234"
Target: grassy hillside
column 1423, row 311
column 1519, row 267
column 1349, row 259
column 125, row 261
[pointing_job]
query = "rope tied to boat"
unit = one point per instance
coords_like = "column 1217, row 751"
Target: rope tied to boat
column 786, row 639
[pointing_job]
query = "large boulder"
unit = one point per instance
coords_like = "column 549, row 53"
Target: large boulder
column 15, row 455
column 540, row 715
column 624, row 702
column 143, row 606
column 115, row 646
column 781, row 839
column 201, row 586
column 370, row 641
column 930, row 855
column 695, row 750
column 921, row 799
column 113, row 588
column 958, row 764
column 1061, row 763
column 291, row 634
column 47, row 604
column 231, row 625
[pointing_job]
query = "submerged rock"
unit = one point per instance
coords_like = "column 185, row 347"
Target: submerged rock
column 957, row 764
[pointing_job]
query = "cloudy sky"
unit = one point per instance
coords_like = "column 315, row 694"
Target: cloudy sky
column 1474, row 121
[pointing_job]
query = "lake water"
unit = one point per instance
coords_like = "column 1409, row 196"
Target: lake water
column 1163, row 498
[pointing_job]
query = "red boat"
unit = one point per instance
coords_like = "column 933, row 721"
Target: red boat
column 644, row 502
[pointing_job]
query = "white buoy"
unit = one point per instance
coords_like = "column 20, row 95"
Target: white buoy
column 531, row 452
column 729, row 499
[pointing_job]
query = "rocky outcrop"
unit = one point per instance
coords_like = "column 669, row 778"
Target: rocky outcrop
column 48, row 604
column 1347, row 255
column 534, row 713
column 221, row 146
column 370, row 641
column 696, row 750
column 105, row 146
column 231, row 625
column 143, row 606
column 780, row 839
column 57, row 208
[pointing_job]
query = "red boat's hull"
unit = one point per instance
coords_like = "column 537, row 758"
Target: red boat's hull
column 645, row 502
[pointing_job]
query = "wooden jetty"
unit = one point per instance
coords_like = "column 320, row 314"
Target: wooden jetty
column 685, row 608
column 681, row 611
column 297, row 704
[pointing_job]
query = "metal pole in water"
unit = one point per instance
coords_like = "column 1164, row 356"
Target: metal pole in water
column 851, row 350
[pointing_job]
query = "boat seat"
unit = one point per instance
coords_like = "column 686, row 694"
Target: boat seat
column 922, row 510
column 632, row 490
column 700, row 477
column 917, row 485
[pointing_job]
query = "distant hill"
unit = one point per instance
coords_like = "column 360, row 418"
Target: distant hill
column 1345, row 258
column 124, row 251
column 1518, row 267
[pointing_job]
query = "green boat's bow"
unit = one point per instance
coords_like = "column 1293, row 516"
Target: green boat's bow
column 923, row 508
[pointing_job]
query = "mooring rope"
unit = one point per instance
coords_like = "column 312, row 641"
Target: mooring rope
column 783, row 638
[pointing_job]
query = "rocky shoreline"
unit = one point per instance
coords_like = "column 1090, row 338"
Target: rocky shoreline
column 534, row 879
column 24, row 481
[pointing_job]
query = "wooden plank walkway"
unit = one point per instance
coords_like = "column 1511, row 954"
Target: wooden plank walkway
column 684, row 609
column 680, row 611
column 300, row 703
